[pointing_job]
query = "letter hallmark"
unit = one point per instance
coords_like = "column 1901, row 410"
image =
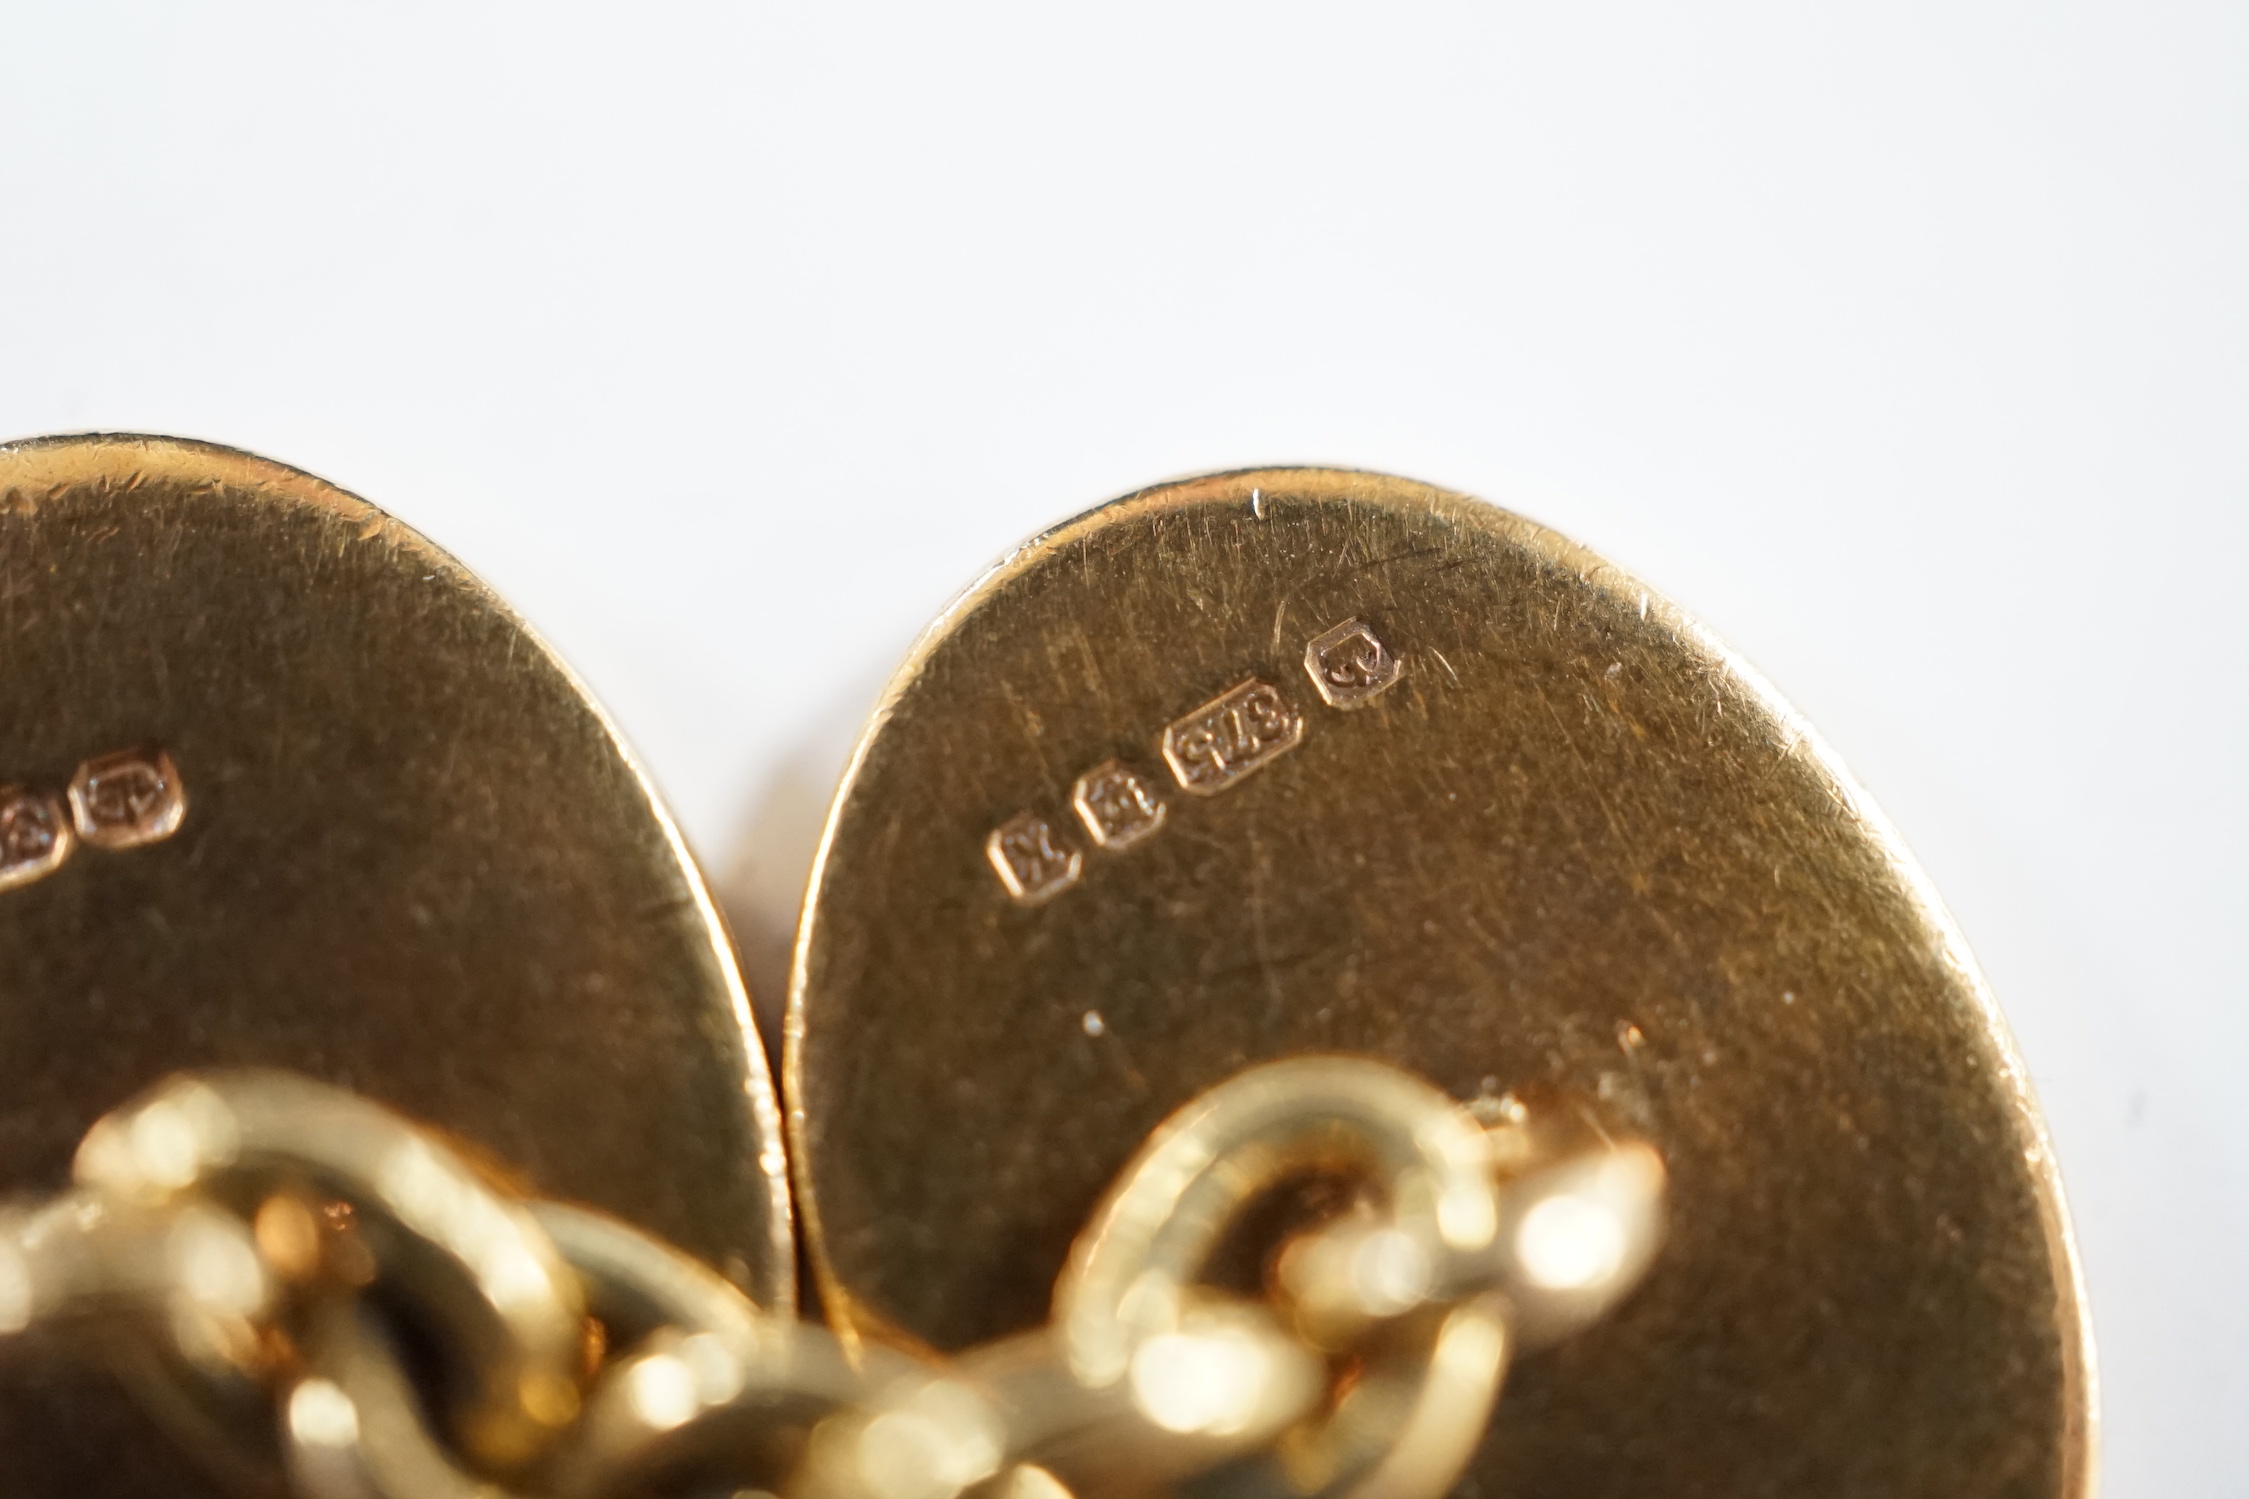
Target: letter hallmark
column 1117, row 806
column 1032, row 862
column 35, row 835
column 1243, row 729
column 1350, row 666
column 127, row 799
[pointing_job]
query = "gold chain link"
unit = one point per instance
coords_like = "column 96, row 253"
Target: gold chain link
column 273, row 1246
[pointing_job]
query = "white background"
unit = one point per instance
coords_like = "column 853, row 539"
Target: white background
column 1910, row 349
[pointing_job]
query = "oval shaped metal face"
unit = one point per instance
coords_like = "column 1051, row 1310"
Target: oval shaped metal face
column 1304, row 761
column 288, row 787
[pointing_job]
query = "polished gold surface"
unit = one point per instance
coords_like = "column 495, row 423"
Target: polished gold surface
column 1422, row 781
column 405, row 853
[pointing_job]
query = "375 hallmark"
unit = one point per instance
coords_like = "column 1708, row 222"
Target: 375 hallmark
column 1245, row 728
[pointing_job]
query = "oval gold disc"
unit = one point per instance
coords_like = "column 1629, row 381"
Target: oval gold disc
column 1305, row 761
column 407, row 854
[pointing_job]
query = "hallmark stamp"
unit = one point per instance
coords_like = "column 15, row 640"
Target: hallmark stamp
column 35, row 835
column 1117, row 805
column 1350, row 665
column 1243, row 729
column 127, row 799
column 1032, row 861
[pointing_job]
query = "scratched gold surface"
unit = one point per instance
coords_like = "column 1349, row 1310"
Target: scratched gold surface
column 416, row 861
column 1574, row 844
